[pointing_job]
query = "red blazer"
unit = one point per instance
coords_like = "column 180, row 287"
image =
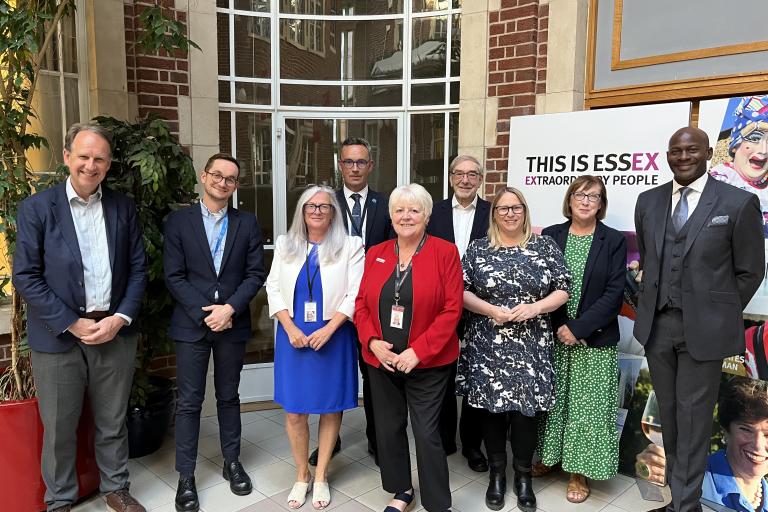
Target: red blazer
column 438, row 298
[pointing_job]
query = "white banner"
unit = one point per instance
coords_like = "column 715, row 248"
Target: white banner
column 625, row 146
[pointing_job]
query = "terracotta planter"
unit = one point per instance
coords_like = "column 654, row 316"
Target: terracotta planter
column 21, row 431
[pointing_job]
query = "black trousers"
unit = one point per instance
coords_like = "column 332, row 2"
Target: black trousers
column 686, row 391
column 370, row 422
column 191, row 368
column 470, row 427
column 419, row 393
column 449, row 414
column 523, row 434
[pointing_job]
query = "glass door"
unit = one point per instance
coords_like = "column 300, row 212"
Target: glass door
column 306, row 151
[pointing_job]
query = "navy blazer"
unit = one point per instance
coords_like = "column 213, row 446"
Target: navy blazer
column 191, row 277
column 378, row 227
column 602, row 289
column 48, row 267
column 441, row 220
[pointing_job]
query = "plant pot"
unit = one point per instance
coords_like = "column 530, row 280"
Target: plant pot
column 148, row 424
column 21, row 430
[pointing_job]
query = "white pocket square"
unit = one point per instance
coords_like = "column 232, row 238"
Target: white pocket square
column 720, row 220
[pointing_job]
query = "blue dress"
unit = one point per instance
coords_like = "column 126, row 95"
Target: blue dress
column 309, row 381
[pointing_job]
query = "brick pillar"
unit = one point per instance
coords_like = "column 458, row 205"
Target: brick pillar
column 517, row 71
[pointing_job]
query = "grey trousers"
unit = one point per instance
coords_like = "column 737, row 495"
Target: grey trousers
column 105, row 372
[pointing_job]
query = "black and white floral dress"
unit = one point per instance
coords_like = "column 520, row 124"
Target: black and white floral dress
column 510, row 367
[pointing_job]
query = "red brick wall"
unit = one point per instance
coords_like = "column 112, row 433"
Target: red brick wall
column 157, row 80
column 517, row 71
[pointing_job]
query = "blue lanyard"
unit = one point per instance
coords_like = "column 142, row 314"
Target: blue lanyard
column 220, row 239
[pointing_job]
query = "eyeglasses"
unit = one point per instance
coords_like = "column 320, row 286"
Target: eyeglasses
column 349, row 164
column 593, row 198
column 471, row 175
column 323, row 208
column 216, row 177
column 516, row 209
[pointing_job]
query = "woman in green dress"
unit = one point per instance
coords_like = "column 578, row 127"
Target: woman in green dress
column 580, row 431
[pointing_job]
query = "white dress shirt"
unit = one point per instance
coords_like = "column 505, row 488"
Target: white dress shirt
column 91, row 230
column 463, row 218
column 351, row 203
column 697, row 187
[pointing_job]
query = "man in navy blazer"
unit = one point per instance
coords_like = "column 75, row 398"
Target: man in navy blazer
column 79, row 265
column 702, row 259
column 214, row 266
column 366, row 214
column 461, row 219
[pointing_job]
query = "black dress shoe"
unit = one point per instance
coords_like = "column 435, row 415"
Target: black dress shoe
column 336, row 449
column 475, row 459
column 526, row 499
column 239, row 481
column 186, row 496
column 665, row 508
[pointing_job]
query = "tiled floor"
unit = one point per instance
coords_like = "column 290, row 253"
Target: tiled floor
column 354, row 477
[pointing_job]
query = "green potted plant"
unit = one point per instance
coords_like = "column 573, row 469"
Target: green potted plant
column 27, row 29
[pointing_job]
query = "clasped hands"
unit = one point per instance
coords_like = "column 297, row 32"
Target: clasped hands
column 565, row 336
column 219, row 317
column 92, row 332
column 315, row 341
column 405, row 361
column 519, row 313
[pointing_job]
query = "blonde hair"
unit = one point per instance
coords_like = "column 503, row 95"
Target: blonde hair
column 294, row 244
column 494, row 233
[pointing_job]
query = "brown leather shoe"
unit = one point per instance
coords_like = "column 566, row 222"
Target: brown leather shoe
column 122, row 501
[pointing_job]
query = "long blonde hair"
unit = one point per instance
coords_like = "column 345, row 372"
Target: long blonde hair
column 494, row 233
column 294, row 244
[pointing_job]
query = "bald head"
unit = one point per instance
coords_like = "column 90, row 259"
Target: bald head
column 688, row 154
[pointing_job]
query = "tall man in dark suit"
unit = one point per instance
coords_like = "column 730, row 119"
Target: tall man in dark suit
column 214, row 266
column 366, row 214
column 461, row 219
column 702, row 258
column 79, row 264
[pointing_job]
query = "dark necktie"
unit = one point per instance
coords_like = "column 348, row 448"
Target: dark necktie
column 680, row 215
column 357, row 219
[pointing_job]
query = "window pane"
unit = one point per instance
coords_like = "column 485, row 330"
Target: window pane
column 71, row 101
column 225, row 132
column 222, row 3
column 252, row 5
column 224, row 92
column 252, row 47
column 455, row 89
column 455, row 45
column 69, row 44
column 222, row 35
column 453, row 136
column 429, row 43
column 252, row 93
column 431, row 5
column 47, row 123
column 427, row 149
column 341, row 95
column 341, row 50
column 254, row 150
column 260, row 347
column 341, row 7
column 428, row 94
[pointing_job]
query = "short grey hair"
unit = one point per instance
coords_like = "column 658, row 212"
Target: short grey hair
column 92, row 126
column 465, row 158
column 295, row 241
column 356, row 141
column 411, row 193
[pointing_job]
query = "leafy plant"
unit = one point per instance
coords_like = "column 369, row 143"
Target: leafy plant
column 150, row 166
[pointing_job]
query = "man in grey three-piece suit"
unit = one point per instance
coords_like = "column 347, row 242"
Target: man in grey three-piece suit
column 702, row 259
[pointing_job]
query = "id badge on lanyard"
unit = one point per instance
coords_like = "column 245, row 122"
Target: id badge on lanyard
column 310, row 306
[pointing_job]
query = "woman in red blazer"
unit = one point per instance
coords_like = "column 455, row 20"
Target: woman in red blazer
column 406, row 312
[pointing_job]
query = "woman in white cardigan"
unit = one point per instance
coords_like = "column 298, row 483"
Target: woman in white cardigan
column 311, row 288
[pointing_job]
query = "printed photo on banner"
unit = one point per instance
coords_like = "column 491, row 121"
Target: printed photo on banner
column 738, row 131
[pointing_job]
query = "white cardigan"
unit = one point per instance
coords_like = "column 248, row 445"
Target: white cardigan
column 341, row 280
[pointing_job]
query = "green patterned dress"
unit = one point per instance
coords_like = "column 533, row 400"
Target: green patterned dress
column 580, row 431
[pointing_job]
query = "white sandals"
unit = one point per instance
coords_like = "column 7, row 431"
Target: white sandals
column 321, row 493
column 299, row 493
